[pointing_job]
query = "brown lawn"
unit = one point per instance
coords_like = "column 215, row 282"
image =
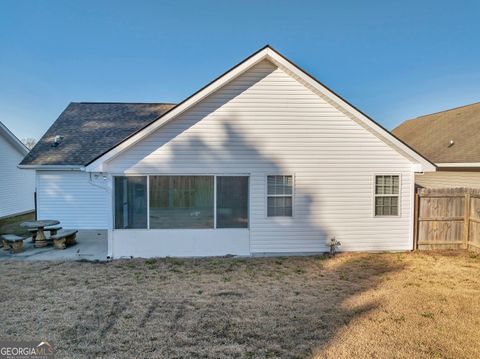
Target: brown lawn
column 400, row 305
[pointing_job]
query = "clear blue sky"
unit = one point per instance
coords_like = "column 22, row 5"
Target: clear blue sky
column 393, row 59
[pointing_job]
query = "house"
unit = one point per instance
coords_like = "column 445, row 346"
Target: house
column 264, row 159
column 450, row 139
column 16, row 186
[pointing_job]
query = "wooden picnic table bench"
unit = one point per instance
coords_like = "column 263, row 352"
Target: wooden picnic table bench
column 64, row 238
column 13, row 243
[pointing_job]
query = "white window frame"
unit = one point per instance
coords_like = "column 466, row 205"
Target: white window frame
column 248, row 175
column 375, row 195
column 267, row 195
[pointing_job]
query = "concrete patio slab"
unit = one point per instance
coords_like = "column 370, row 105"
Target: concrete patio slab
column 91, row 245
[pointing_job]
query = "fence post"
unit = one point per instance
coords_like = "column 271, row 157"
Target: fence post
column 466, row 220
column 35, row 204
column 416, row 207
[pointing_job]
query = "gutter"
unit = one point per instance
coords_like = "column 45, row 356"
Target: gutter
column 53, row 167
column 459, row 165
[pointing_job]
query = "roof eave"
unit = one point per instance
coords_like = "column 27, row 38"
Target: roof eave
column 458, row 165
column 53, row 167
column 13, row 139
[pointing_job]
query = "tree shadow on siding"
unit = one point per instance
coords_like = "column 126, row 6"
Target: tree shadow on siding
column 229, row 151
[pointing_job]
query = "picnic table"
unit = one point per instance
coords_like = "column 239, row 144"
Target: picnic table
column 40, row 225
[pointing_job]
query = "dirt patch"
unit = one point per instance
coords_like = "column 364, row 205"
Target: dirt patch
column 402, row 305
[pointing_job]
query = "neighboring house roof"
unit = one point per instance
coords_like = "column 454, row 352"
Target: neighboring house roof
column 11, row 138
column 446, row 138
column 89, row 129
column 90, row 144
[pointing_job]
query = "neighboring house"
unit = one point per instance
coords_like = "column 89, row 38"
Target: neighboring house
column 264, row 159
column 450, row 139
column 17, row 186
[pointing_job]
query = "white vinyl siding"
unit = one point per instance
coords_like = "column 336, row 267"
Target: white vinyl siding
column 75, row 198
column 266, row 122
column 17, row 186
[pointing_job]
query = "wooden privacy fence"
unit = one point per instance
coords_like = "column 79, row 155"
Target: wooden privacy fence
column 447, row 218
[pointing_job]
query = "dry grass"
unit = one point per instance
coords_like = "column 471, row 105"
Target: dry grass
column 399, row 305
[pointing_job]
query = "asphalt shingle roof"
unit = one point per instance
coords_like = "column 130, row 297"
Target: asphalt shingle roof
column 431, row 135
column 91, row 129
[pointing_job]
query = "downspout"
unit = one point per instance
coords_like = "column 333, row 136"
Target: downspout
column 110, row 226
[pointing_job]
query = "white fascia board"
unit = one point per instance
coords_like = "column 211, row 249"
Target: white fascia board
column 458, row 164
column 385, row 135
column 97, row 165
column 417, row 167
column 52, row 167
column 13, row 139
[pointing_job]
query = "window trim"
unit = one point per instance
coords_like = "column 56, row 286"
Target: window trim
column 375, row 195
column 147, row 175
column 267, row 195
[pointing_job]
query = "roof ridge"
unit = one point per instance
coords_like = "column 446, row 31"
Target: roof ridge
column 122, row 103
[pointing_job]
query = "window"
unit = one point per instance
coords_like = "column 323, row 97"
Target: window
column 178, row 202
column 386, row 195
column 279, row 196
column 130, row 202
column 232, row 202
column 181, row 201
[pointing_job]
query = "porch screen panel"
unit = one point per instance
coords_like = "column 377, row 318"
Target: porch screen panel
column 130, row 202
column 232, row 202
column 181, row 202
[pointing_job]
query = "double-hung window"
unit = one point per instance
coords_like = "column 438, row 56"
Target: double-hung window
column 387, row 195
column 279, row 196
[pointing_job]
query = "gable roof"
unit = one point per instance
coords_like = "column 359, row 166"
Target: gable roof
column 89, row 129
column 267, row 52
column 431, row 135
column 97, row 132
column 12, row 139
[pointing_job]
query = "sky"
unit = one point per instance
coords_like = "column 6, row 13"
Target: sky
column 394, row 60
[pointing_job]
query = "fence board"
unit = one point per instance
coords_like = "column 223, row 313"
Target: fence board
column 475, row 208
column 474, row 233
column 447, row 218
